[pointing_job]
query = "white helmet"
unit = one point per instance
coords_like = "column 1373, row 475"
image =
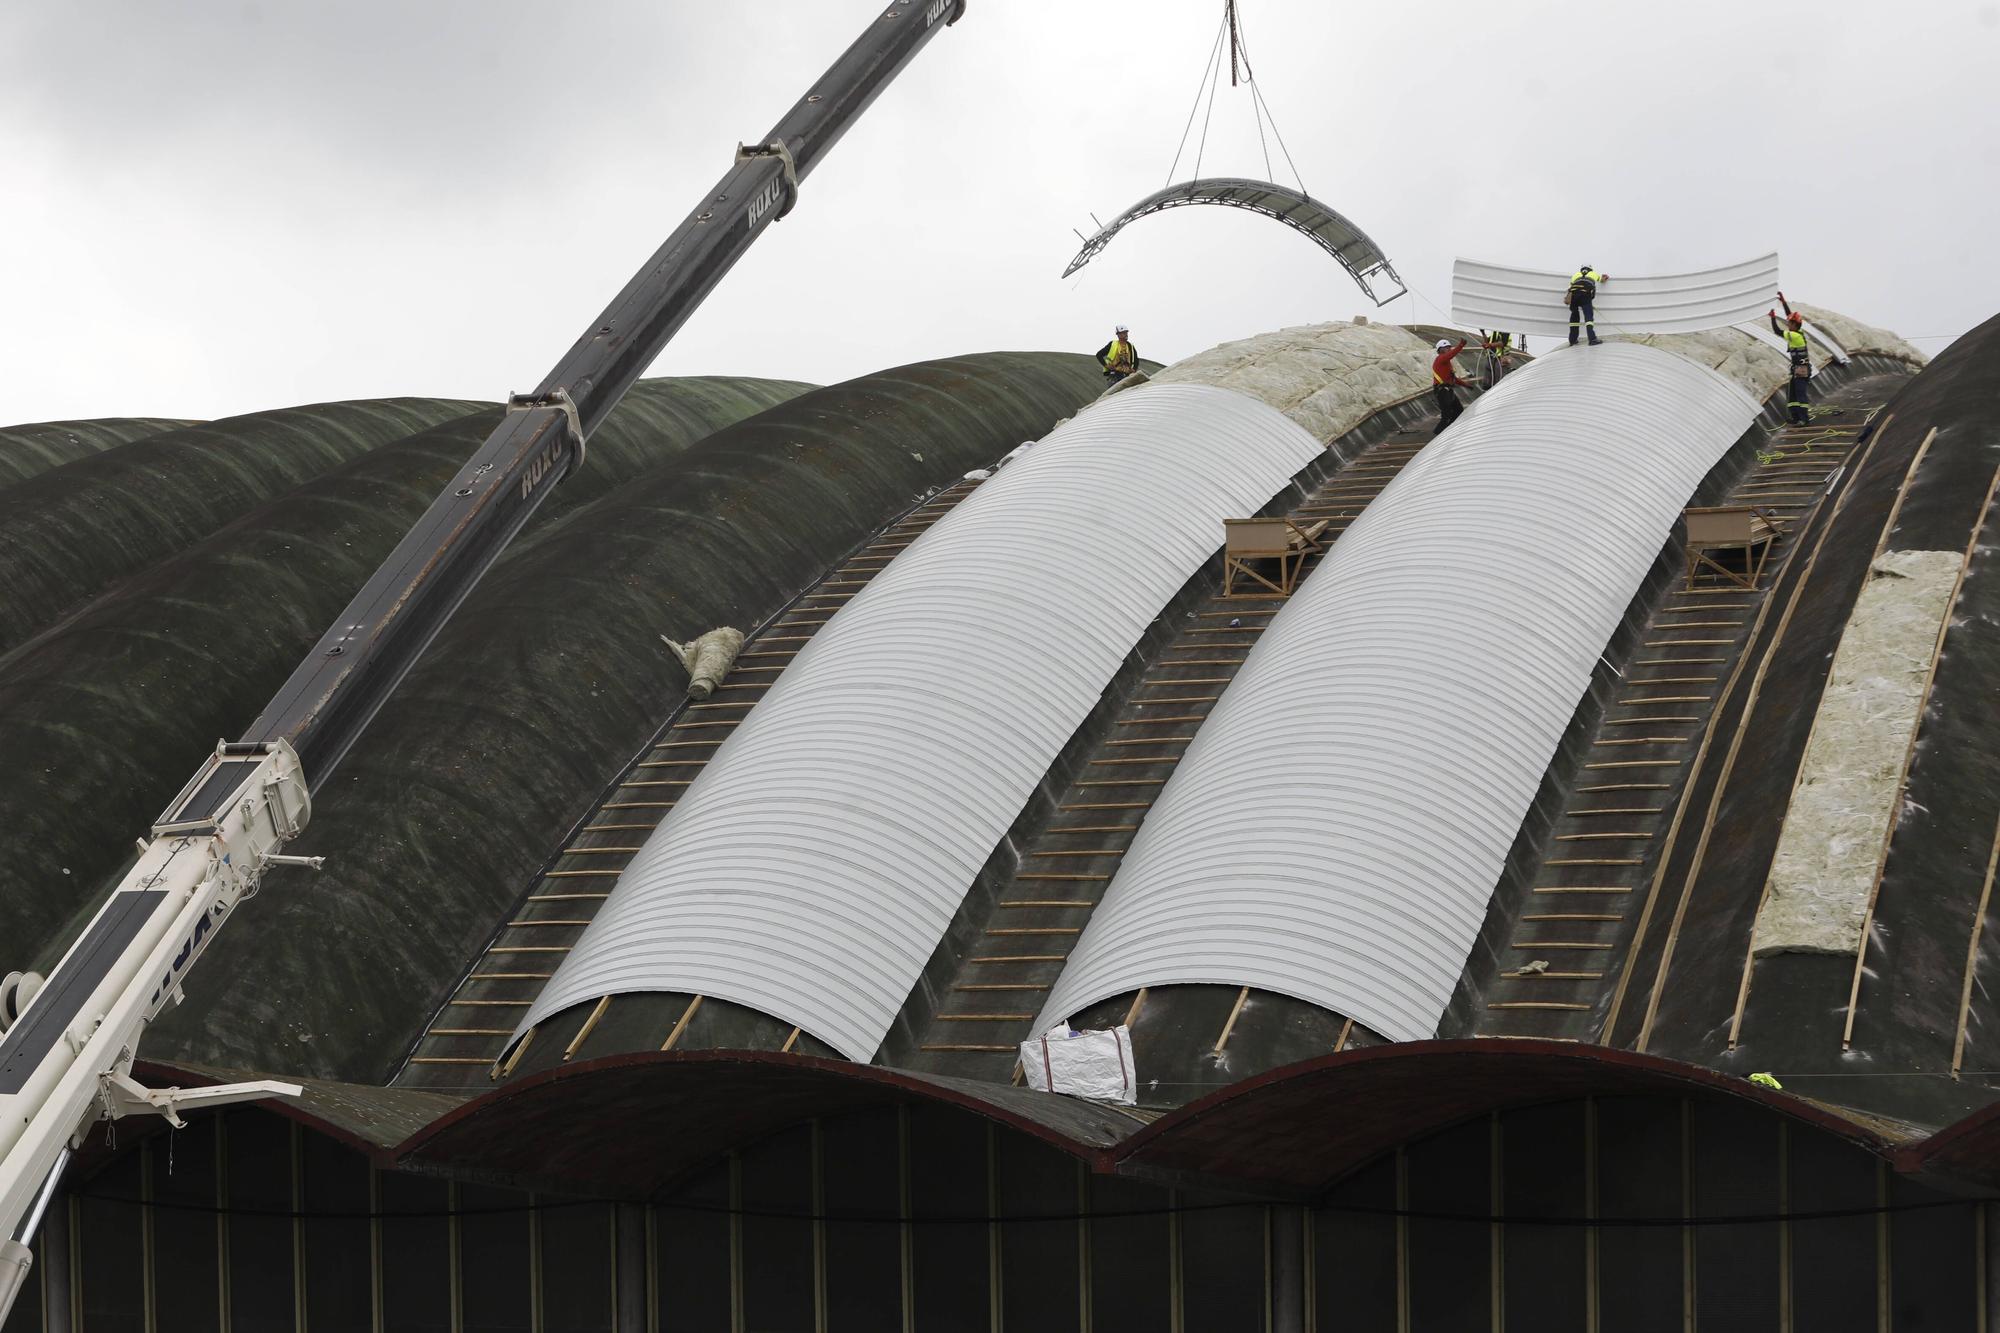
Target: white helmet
column 1443, row 343
column 1123, row 329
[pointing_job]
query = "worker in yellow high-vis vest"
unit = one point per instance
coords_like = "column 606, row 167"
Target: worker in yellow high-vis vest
column 1582, row 299
column 1118, row 357
column 1798, row 402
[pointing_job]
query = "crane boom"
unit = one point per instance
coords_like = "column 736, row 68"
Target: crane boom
column 66, row 1055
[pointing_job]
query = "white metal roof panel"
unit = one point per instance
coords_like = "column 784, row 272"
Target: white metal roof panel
column 1524, row 300
column 814, row 865
column 1338, row 824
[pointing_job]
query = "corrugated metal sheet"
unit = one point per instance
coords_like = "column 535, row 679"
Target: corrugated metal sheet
column 815, row 864
column 1524, row 300
column 1360, row 256
column 1338, row 824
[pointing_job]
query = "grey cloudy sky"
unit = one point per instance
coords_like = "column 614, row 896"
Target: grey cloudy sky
column 215, row 207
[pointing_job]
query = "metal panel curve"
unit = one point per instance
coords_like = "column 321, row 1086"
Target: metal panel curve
column 1360, row 256
column 1337, row 826
column 814, row 865
column 1526, row 300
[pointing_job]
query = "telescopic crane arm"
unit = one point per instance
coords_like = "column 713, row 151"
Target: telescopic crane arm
column 69, row 1043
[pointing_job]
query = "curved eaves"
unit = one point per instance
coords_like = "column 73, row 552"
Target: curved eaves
column 551, row 676
column 1331, row 232
column 70, row 534
column 1336, row 827
column 32, row 449
column 120, row 701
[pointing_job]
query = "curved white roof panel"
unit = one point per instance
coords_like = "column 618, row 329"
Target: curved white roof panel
column 814, row 865
column 1525, row 300
column 1338, row 824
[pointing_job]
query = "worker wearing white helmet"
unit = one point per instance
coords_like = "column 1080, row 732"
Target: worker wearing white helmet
column 1118, row 357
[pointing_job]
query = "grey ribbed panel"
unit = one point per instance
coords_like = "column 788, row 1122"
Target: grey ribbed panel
column 1336, row 828
column 1347, row 243
column 1523, row 300
column 814, row 865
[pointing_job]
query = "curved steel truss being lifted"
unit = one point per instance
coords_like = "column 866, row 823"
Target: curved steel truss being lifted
column 1361, row 257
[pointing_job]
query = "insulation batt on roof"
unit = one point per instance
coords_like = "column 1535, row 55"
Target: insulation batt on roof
column 1851, row 778
column 1327, row 377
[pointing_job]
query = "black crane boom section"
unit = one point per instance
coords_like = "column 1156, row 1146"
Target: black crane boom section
column 357, row 663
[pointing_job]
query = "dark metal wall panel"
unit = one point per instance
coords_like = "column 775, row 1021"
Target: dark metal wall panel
column 776, row 1177
column 575, row 1264
column 948, row 1180
column 1451, row 1285
column 1354, row 1255
column 1131, row 1259
column 1040, row 1261
column 1222, row 1267
column 1542, row 1152
column 185, row 1240
column 416, row 1253
column 262, row 1285
column 1738, row 1275
column 1833, row 1259
column 339, row 1272
column 692, row 1256
column 1933, row 1262
column 111, row 1240
column 859, row 1168
column 1641, row 1271
column 495, row 1260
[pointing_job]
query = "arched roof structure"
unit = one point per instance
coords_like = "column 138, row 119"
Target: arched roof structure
column 1337, row 826
column 815, row 864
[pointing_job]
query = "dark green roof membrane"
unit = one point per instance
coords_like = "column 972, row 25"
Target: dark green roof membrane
column 74, row 532
column 111, row 710
column 32, row 449
column 550, row 677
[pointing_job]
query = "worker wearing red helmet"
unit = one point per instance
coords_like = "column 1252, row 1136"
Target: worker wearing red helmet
column 1445, row 382
column 1798, row 402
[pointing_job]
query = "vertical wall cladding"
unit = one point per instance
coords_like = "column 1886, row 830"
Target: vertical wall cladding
column 928, row 1217
column 37, row 447
column 69, row 534
column 416, row 1251
column 187, row 1247
column 552, row 673
column 121, row 701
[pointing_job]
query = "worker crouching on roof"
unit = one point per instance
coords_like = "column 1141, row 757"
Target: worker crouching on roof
column 1799, row 400
column 1445, row 382
column 1118, row 357
column 1582, row 297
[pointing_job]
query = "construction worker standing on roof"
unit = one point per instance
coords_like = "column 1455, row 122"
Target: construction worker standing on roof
column 1496, row 345
column 1582, row 302
column 1118, row 357
column 1799, row 401
column 1445, row 382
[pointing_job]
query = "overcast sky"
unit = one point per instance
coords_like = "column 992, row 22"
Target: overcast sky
column 211, row 208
